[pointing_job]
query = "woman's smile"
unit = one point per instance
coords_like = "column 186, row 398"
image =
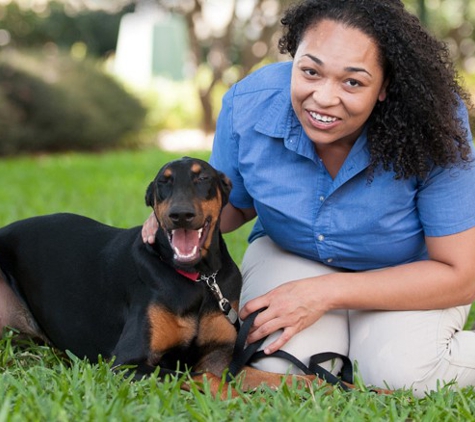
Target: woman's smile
column 321, row 120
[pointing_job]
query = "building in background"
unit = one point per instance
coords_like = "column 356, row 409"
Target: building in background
column 152, row 42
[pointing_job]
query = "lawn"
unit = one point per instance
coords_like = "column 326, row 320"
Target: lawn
column 40, row 384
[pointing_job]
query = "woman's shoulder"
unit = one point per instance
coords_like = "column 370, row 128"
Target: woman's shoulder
column 271, row 77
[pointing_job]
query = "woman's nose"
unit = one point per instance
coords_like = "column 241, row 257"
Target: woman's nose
column 326, row 94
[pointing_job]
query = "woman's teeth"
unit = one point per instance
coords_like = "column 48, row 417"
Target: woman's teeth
column 320, row 118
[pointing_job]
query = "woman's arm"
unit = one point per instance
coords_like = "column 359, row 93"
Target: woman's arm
column 446, row 280
column 232, row 218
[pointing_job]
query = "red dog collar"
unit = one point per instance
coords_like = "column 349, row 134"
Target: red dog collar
column 191, row 276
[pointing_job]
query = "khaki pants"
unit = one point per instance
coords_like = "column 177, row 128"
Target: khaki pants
column 394, row 349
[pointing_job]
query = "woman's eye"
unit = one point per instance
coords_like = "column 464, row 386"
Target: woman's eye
column 353, row 83
column 310, row 72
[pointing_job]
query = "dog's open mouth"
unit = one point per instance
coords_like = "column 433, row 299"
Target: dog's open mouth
column 187, row 243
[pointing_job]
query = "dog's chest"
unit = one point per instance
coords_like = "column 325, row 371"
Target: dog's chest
column 195, row 331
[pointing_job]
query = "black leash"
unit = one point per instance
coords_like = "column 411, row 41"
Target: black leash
column 243, row 355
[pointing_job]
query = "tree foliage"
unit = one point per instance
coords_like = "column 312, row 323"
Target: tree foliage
column 244, row 37
column 55, row 24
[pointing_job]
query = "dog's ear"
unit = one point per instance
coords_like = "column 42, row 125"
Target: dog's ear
column 225, row 185
column 149, row 197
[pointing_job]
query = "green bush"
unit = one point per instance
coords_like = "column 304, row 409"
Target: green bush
column 57, row 103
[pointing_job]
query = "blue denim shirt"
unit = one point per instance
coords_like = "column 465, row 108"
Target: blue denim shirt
column 346, row 221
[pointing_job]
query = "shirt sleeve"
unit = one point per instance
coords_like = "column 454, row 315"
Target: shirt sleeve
column 446, row 200
column 225, row 153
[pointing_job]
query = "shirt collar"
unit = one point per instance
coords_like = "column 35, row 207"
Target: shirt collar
column 276, row 119
column 280, row 121
column 358, row 160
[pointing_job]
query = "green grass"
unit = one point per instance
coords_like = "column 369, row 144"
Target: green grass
column 38, row 383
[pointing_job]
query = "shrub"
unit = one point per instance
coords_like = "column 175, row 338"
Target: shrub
column 57, row 103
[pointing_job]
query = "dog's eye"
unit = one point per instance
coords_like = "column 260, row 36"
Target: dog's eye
column 203, row 178
column 164, row 180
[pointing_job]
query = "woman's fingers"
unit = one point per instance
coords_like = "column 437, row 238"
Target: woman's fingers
column 286, row 335
column 254, row 305
column 149, row 229
column 289, row 308
column 267, row 323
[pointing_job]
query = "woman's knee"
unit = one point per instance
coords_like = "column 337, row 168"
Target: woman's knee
column 416, row 349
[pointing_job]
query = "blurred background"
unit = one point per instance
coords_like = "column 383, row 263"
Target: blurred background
column 93, row 75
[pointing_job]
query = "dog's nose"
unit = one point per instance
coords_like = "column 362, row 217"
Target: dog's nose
column 181, row 216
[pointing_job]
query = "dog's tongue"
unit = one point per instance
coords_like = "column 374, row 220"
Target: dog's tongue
column 185, row 243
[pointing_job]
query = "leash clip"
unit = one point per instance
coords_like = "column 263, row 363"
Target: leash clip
column 228, row 311
column 223, row 303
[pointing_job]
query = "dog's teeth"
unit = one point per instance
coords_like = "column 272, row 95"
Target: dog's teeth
column 183, row 256
column 200, row 232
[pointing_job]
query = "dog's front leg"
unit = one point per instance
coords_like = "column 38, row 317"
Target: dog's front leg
column 210, row 370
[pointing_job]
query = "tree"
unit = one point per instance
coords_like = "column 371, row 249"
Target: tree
column 246, row 37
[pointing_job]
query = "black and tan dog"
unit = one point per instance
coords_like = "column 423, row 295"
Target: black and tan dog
column 98, row 290
column 94, row 289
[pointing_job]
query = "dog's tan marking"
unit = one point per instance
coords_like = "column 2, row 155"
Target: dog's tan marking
column 196, row 168
column 168, row 172
column 161, row 210
column 215, row 328
column 168, row 330
column 211, row 208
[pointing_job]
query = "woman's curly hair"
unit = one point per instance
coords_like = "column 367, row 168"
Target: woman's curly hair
column 417, row 124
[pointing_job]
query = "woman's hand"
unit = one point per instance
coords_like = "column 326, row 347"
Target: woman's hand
column 149, row 229
column 291, row 307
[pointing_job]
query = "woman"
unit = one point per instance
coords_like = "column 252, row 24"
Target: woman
column 356, row 158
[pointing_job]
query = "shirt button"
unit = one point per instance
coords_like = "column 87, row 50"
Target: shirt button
column 322, row 198
column 321, row 238
column 329, row 260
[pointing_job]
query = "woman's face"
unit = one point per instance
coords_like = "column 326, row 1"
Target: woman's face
column 336, row 81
